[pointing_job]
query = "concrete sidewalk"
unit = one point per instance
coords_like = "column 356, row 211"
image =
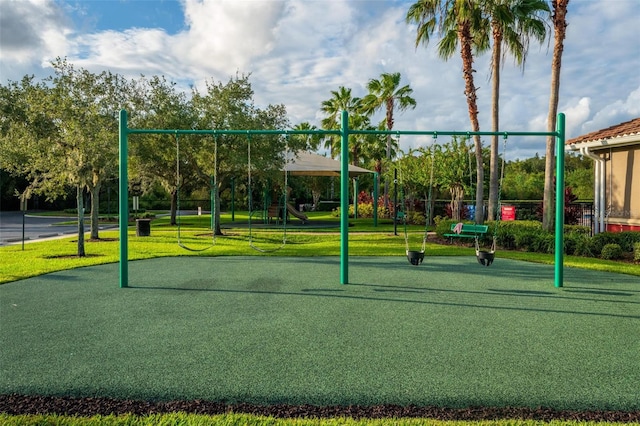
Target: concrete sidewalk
column 36, row 228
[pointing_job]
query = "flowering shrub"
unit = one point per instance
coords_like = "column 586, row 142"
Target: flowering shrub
column 365, row 207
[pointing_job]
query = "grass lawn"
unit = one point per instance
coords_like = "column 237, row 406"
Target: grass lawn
column 364, row 240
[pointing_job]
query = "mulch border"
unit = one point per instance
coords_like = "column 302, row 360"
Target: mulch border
column 15, row 404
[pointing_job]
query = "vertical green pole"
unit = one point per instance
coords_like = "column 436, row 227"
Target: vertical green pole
column 375, row 199
column 344, row 200
column 123, row 217
column 559, row 258
column 213, row 204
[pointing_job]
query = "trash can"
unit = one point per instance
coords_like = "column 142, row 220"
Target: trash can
column 143, row 227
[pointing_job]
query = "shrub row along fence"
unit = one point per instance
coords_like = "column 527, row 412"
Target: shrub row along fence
column 576, row 213
column 578, row 240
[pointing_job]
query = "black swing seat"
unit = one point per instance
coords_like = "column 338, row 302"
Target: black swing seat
column 485, row 258
column 415, row 257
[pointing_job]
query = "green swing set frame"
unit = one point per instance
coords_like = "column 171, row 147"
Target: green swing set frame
column 343, row 132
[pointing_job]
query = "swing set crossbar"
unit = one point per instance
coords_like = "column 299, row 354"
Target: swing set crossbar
column 232, row 132
column 436, row 133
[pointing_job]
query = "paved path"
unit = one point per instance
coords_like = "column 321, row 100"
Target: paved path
column 38, row 228
column 35, row 227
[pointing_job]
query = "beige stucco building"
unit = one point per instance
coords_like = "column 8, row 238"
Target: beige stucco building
column 616, row 153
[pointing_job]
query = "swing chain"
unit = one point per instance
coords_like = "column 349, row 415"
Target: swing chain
column 214, row 188
column 250, row 198
column 178, row 221
column 499, row 203
column 427, row 219
column 178, row 183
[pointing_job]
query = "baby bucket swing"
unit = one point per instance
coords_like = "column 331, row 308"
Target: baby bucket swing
column 486, row 257
column 213, row 183
column 416, row 257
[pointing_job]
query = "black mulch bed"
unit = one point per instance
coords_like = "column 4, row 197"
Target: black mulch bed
column 22, row 404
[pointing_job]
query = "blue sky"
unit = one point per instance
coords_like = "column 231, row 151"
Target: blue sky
column 120, row 15
column 298, row 51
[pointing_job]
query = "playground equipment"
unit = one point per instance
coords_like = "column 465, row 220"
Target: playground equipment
column 297, row 213
column 416, row 257
column 344, row 133
column 486, row 257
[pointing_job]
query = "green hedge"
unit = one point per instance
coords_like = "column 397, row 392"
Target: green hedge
column 625, row 240
column 611, row 252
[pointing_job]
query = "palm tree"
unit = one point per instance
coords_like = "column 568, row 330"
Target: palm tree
column 559, row 19
column 513, row 23
column 387, row 91
column 357, row 142
column 311, row 142
column 375, row 147
column 459, row 21
column 341, row 100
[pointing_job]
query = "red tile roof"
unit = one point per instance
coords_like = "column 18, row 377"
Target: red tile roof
column 631, row 127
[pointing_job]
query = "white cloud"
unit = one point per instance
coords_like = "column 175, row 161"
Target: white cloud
column 576, row 113
column 128, row 51
column 224, row 36
column 615, row 113
column 31, row 33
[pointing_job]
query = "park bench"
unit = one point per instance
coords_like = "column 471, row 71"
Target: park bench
column 464, row 230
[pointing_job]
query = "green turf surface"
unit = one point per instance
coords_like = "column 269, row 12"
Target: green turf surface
column 283, row 330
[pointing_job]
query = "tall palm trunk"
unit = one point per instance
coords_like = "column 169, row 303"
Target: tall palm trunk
column 559, row 19
column 464, row 36
column 389, row 120
column 495, row 123
column 457, row 195
column 355, row 155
